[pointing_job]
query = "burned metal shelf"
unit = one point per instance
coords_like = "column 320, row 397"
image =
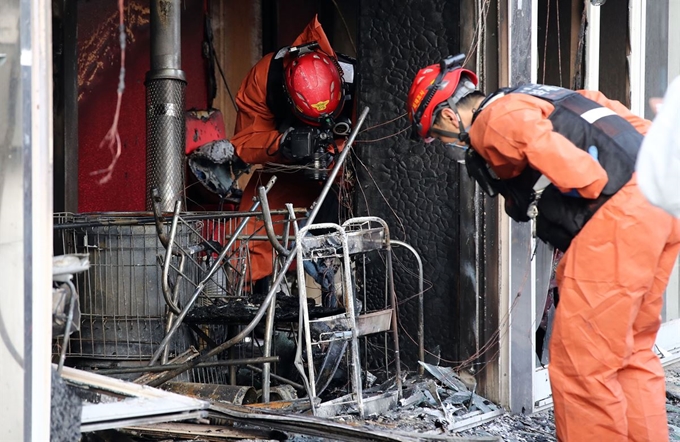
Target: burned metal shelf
column 367, row 324
column 358, row 241
column 242, row 312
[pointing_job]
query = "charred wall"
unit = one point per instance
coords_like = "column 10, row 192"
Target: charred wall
column 421, row 191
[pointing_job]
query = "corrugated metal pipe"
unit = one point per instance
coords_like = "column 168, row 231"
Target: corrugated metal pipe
column 165, row 91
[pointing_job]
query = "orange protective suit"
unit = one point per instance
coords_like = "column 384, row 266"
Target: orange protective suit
column 256, row 140
column 607, row 383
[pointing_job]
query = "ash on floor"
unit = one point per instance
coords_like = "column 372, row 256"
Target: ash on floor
column 540, row 427
column 427, row 418
column 673, row 400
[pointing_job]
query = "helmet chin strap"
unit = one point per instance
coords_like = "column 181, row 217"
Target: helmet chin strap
column 462, row 135
column 445, row 133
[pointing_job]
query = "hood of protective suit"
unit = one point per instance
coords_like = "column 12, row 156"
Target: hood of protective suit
column 314, row 32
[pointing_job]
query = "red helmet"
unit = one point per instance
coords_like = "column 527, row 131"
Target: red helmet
column 315, row 88
column 432, row 86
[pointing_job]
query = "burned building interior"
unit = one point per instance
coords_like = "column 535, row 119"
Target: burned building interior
column 386, row 324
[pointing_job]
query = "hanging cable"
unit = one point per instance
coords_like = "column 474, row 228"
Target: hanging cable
column 559, row 42
column 545, row 41
column 480, row 24
column 213, row 55
column 231, row 96
column 385, row 137
column 344, row 22
column 112, row 137
column 384, row 123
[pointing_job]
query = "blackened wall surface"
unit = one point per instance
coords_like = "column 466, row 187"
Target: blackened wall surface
column 416, row 188
column 614, row 49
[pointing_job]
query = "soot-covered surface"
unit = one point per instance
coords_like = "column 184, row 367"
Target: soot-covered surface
column 66, row 410
column 239, row 311
column 419, row 190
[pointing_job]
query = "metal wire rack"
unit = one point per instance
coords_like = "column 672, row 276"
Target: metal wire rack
column 123, row 309
column 125, row 315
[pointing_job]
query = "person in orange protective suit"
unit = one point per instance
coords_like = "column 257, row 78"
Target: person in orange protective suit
column 565, row 159
column 284, row 97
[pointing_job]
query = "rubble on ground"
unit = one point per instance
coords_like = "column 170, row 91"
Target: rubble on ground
column 673, row 400
column 540, row 427
column 436, row 406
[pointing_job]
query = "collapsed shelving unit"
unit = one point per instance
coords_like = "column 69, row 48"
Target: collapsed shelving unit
column 355, row 236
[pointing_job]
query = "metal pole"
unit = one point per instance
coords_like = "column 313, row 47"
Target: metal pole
column 191, row 216
column 269, row 324
column 159, row 368
column 393, row 295
column 232, row 355
column 363, row 260
column 165, row 121
column 277, row 377
column 268, row 223
column 201, row 284
column 421, row 309
column 170, row 301
column 395, row 320
column 165, row 20
column 171, row 314
column 69, row 322
column 334, row 173
column 289, row 220
column 349, row 306
column 268, row 334
column 304, row 317
column 289, row 260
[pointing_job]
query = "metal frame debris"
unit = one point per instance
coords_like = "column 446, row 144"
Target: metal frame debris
column 139, row 405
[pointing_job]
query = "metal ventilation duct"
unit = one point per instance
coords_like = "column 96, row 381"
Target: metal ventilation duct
column 165, row 92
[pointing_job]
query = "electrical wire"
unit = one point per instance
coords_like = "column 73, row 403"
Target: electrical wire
column 545, row 40
column 112, row 137
column 384, row 123
column 344, row 22
column 385, row 137
column 496, row 336
column 481, row 21
column 213, row 54
column 559, row 42
column 504, row 322
column 397, row 217
column 224, row 79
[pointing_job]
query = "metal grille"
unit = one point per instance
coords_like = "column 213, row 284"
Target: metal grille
column 165, row 138
column 121, row 299
column 122, row 303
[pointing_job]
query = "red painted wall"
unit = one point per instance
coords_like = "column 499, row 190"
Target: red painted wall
column 98, row 67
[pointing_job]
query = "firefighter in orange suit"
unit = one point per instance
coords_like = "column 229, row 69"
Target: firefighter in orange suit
column 296, row 94
column 566, row 160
